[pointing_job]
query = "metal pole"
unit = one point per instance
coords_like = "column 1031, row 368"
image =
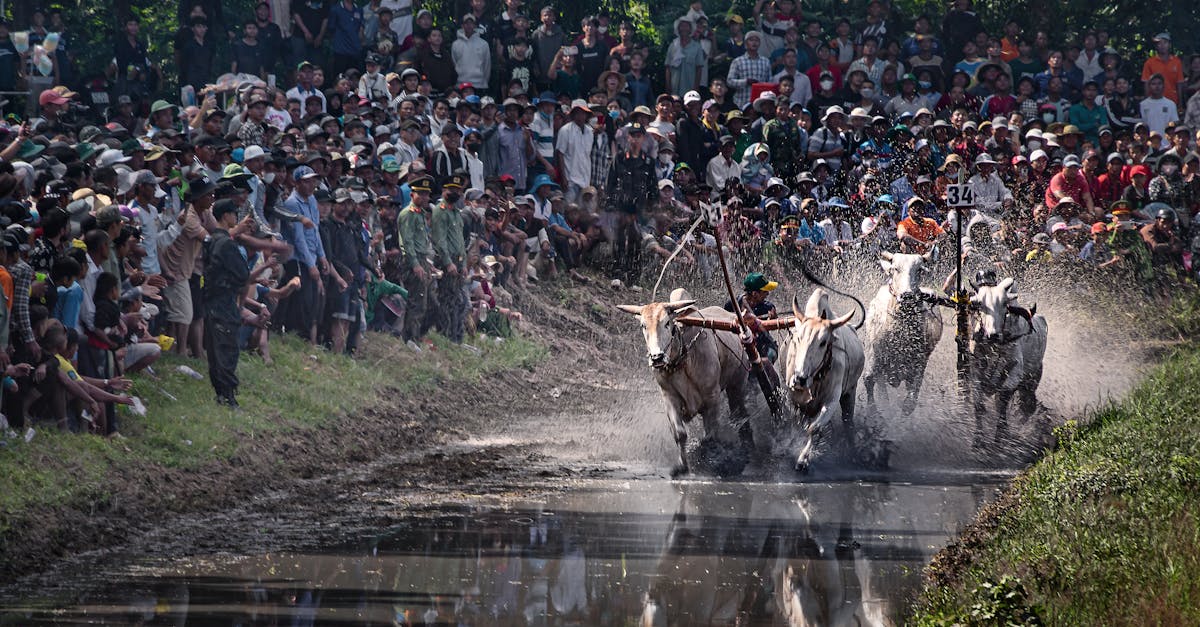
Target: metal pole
column 960, row 304
column 756, row 367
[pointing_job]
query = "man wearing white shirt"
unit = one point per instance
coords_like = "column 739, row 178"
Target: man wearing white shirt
column 304, row 85
column 801, row 85
column 402, row 17
column 1090, row 60
column 723, row 167
column 574, row 149
column 1158, row 111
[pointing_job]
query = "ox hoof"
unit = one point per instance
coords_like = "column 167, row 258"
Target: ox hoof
column 746, row 435
column 801, row 466
column 679, row 470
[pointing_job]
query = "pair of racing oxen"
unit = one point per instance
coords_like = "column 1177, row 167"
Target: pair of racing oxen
column 824, row 358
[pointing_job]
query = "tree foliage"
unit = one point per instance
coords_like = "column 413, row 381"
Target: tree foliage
column 93, row 23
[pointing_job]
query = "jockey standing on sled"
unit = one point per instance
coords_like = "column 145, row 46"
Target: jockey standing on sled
column 756, row 308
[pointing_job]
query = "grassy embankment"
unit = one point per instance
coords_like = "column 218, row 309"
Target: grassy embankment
column 306, row 389
column 1105, row 530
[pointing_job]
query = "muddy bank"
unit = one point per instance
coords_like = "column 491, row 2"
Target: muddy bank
column 139, row 494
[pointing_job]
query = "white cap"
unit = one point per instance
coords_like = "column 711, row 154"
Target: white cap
column 690, row 97
column 1038, row 154
column 665, row 183
column 112, row 156
column 253, row 152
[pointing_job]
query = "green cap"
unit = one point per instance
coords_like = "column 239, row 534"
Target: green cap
column 29, row 149
column 161, row 105
column 234, row 171
column 85, row 150
column 131, row 146
column 756, row 282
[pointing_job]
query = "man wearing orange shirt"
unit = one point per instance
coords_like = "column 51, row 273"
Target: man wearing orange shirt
column 1008, row 44
column 1167, row 64
column 917, row 232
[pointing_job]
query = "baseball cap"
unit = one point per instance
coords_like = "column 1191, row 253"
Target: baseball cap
column 145, row 177
column 756, row 282
column 49, row 96
column 690, row 97
column 304, row 172
column 253, row 152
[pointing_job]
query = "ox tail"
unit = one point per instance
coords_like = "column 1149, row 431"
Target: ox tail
column 819, row 283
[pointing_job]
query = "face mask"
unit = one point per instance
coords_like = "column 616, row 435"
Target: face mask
column 614, row 114
column 1048, row 118
column 826, row 85
column 924, row 84
column 269, row 177
column 602, row 29
column 452, row 198
column 1169, row 170
column 1034, row 144
column 867, row 94
column 664, row 158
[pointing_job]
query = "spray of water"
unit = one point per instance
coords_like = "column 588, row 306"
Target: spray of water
column 624, row 426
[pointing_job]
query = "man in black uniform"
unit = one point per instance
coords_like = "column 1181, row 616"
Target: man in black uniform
column 226, row 274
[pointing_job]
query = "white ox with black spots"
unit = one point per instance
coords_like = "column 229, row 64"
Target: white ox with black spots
column 693, row 366
column 902, row 329
column 1009, row 346
column 824, row 361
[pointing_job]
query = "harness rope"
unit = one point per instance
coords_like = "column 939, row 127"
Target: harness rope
column 667, row 263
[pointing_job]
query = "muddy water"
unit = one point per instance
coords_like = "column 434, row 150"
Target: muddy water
column 603, row 552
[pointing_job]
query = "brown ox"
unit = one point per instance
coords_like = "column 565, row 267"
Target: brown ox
column 693, row 366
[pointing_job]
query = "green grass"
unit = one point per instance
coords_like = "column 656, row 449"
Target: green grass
column 302, row 390
column 1103, row 531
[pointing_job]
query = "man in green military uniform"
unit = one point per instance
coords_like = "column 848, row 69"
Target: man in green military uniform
column 449, row 253
column 783, row 136
column 416, row 252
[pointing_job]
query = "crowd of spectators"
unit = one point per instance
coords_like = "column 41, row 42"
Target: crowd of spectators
column 368, row 168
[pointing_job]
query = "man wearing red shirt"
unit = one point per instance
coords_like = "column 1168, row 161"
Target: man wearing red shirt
column 1070, row 183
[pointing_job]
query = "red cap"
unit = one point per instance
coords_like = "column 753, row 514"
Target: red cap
column 462, row 86
column 50, row 96
column 1099, row 227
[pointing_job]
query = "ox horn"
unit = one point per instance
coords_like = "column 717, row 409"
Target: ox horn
column 1021, row 311
column 843, row 319
column 796, row 308
column 885, row 255
column 928, row 257
column 631, row 309
column 1007, row 284
column 677, row 305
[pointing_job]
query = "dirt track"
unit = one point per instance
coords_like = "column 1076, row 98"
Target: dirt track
column 416, row 443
